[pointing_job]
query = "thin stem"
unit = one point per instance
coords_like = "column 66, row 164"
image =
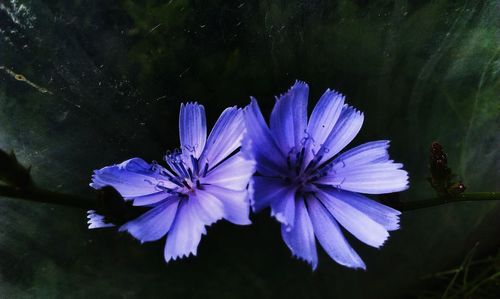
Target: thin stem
column 47, row 196
column 420, row 204
column 453, row 271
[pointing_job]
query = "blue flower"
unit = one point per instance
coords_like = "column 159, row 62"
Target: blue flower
column 311, row 189
column 206, row 181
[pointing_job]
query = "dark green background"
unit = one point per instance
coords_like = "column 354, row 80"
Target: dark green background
column 118, row 71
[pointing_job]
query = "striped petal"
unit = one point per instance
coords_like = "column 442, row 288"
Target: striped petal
column 375, row 178
column 234, row 173
column 132, row 178
column 384, row 215
column 346, row 128
column 370, row 152
column 155, row 223
column 356, row 222
column 185, row 234
column 322, row 121
column 283, row 208
column 300, row 238
column 151, row 199
column 330, row 236
column 235, row 203
column 289, row 117
column 269, row 157
column 192, row 129
column 225, row 137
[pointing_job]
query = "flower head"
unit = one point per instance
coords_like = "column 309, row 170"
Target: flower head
column 311, row 189
column 202, row 184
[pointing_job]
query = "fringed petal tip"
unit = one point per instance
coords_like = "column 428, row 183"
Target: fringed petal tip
column 190, row 104
column 300, row 82
column 95, row 183
column 360, row 266
column 131, row 178
column 407, row 182
column 251, row 106
column 235, row 107
column 395, row 225
column 169, row 258
column 353, row 112
column 403, row 183
column 283, row 220
column 312, row 263
column 382, row 242
column 97, row 220
column 335, row 93
column 296, row 86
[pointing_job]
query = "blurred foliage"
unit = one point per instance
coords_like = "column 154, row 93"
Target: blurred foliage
column 420, row 70
column 474, row 278
column 12, row 173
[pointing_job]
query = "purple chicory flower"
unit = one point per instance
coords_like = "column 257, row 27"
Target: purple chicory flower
column 207, row 181
column 311, row 189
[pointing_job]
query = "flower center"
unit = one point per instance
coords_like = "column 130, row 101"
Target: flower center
column 185, row 174
column 303, row 171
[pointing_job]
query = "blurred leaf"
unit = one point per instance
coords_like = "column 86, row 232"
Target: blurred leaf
column 12, row 172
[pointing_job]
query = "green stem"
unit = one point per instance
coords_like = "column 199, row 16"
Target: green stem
column 46, row 196
column 421, row 204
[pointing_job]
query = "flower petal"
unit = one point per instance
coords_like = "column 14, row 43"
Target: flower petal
column 155, row 223
column 283, row 208
column 225, row 137
column 192, row 129
column 234, row 173
column 151, row 199
column 97, row 220
column 289, row 117
column 370, row 152
column 366, row 169
column 267, row 190
column 346, row 128
column 300, row 238
column 356, row 222
column 185, row 234
column 371, row 178
column 131, row 178
column 235, row 203
column 199, row 210
column 208, row 208
column 323, row 119
column 384, row 215
column 330, row 237
column 269, row 157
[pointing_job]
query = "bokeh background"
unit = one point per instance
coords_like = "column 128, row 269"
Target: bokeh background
column 117, row 71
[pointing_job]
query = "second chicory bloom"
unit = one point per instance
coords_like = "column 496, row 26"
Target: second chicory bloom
column 205, row 183
column 311, row 189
